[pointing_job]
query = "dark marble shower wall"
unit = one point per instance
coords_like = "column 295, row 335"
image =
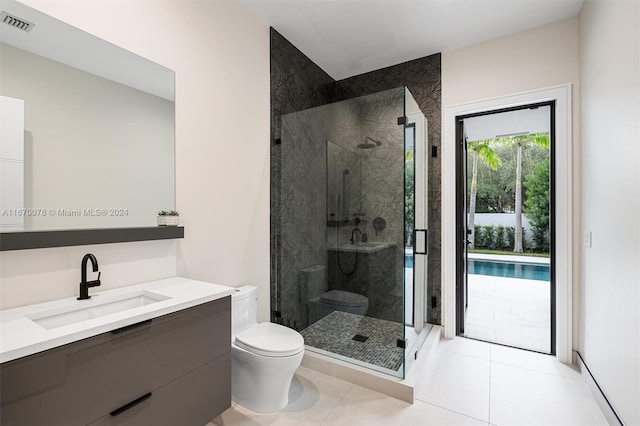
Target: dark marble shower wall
column 423, row 78
column 297, row 84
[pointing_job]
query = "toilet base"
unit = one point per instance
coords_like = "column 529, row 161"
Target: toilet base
column 262, row 383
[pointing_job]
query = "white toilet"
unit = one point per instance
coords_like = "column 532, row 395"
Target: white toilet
column 265, row 356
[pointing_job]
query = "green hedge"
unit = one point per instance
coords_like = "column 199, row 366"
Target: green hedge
column 495, row 237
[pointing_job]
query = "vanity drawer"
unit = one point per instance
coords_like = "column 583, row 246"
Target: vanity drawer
column 193, row 399
column 156, row 410
column 160, row 352
column 79, row 382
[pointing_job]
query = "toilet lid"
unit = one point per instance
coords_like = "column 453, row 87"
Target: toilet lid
column 270, row 339
column 345, row 299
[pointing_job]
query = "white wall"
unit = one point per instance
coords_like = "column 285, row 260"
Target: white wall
column 542, row 57
column 220, row 53
column 33, row 276
column 610, row 154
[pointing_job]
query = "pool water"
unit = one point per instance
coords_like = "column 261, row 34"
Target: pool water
column 408, row 261
column 527, row 271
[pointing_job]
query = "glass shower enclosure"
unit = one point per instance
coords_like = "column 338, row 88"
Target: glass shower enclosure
column 349, row 267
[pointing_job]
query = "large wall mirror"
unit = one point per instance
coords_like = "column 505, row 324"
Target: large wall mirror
column 87, row 129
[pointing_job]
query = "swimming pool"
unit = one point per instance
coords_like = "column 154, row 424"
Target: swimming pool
column 527, row 271
column 408, row 261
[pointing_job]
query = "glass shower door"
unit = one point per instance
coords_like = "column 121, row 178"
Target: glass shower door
column 416, row 233
column 341, row 203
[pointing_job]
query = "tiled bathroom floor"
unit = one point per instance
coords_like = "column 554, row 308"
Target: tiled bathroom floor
column 468, row 383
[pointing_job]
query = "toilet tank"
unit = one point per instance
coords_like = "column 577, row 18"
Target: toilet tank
column 312, row 282
column 244, row 308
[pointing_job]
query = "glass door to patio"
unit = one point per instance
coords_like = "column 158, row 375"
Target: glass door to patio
column 505, row 227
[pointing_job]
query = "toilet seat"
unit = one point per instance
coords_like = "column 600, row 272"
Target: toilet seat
column 271, row 340
column 344, row 299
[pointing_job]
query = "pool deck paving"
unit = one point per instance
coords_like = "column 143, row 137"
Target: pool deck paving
column 510, row 311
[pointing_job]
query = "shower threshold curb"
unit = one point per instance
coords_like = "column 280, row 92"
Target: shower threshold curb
column 394, row 387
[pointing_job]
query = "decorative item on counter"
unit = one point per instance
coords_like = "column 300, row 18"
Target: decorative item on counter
column 168, row 218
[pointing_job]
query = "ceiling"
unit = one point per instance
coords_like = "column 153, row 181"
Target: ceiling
column 351, row 37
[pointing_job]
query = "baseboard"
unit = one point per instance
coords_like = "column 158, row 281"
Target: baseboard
column 604, row 404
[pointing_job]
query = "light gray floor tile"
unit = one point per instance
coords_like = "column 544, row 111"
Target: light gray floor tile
column 463, row 346
column 239, row 416
column 525, row 397
column 466, row 383
column 365, row 407
column 542, row 363
column 459, row 383
column 312, row 396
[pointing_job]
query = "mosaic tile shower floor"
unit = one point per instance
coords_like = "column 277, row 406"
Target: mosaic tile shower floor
column 334, row 333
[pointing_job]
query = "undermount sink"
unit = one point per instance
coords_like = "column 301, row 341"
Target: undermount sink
column 94, row 308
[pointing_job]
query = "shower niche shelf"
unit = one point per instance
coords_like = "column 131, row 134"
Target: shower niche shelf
column 368, row 247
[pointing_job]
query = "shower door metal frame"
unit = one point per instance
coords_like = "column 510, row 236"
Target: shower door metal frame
column 420, row 214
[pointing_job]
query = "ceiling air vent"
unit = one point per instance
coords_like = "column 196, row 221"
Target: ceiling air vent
column 15, row 22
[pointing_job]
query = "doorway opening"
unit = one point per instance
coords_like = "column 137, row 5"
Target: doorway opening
column 505, row 227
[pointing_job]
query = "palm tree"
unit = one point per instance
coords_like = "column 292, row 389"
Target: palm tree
column 488, row 156
column 520, row 141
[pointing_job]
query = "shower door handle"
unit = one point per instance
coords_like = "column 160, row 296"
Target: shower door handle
column 420, row 245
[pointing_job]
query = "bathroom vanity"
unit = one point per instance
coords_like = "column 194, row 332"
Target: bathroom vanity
column 151, row 354
column 161, row 355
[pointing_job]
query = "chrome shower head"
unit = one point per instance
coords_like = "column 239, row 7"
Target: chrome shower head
column 369, row 145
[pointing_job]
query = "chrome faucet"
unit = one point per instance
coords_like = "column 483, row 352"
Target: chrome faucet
column 355, row 238
column 84, row 284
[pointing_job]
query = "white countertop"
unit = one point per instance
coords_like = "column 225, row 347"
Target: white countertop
column 20, row 336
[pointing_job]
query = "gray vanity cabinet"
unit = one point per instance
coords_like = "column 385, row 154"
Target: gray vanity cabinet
column 173, row 370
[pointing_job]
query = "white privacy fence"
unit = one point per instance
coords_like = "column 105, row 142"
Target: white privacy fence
column 506, row 220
